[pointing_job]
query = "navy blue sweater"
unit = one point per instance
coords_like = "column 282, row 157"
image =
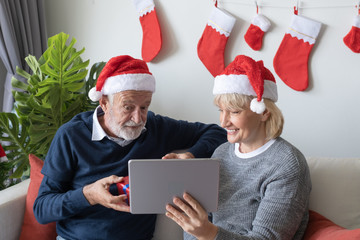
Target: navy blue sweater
column 74, row 160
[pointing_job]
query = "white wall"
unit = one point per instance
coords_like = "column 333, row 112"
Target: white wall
column 321, row 121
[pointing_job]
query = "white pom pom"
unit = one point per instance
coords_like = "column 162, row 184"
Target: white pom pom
column 257, row 107
column 94, row 95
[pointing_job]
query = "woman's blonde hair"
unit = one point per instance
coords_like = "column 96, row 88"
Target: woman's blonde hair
column 234, row 101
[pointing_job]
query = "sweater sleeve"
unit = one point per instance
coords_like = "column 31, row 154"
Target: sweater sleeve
column 263, row 197
column 210, row 137
column 54, row 204
column 58, row 197
column 283, row 206
column 198, row 138
column 274, row 220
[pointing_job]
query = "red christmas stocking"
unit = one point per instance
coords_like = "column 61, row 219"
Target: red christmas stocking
column 291, row 59
column 352, row 39
column 254, row 35
column 151, row 42
column 212, row 43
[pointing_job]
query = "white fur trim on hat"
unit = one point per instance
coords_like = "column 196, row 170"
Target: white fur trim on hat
column 262, row 22
column 241, row 84
column 221, row 21
column 304, row 28
column 125, row 82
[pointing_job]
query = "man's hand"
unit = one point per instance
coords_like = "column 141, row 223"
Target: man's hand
column 185, row 155
column 98, row 193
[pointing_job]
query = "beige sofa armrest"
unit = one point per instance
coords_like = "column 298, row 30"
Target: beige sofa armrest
column 12, row 207
column 336, row 189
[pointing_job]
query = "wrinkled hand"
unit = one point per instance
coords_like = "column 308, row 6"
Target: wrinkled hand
column 193, row 219
column 98, row 193
column 185, row 155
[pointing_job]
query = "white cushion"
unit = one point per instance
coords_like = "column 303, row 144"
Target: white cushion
column 336, row 189
column 12, row 207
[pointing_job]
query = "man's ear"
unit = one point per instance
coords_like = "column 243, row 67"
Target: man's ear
column 104, row 102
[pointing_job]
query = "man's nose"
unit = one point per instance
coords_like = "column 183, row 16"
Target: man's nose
column 136, row 116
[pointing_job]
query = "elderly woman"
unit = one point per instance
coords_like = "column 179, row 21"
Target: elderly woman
column 264, row 180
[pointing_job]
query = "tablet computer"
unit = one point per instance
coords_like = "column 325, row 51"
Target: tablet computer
column 155, row 182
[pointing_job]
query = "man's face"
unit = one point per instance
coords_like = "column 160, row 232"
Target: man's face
column 127, row 115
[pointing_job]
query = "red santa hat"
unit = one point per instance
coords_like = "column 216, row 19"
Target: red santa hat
column 248, row 77
column 3, row 157
column 123, row 73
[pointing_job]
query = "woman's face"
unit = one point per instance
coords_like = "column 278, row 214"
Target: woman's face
column 243, row 126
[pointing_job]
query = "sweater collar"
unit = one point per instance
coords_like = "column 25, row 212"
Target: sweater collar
column 254, row 153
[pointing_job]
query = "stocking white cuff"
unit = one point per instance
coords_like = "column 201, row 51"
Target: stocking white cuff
column 357, row 21
column 304, row 28
column 262, row 22
column 221, row 21
column 144, row 7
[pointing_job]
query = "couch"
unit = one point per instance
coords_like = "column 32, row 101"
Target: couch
column 334, row 204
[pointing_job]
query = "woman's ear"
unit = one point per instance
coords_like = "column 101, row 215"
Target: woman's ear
column 265, row 115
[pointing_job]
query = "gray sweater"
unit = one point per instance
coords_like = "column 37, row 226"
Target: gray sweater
column 262, row 197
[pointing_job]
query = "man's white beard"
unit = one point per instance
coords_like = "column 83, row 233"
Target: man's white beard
column 124, row 131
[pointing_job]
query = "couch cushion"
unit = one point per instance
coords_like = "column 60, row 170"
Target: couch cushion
column 12, row 206
column 31, row 229
column 321, row 228
column 336, row 189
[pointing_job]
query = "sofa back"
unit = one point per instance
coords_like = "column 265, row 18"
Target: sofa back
column 335, row 194
column 336, row 189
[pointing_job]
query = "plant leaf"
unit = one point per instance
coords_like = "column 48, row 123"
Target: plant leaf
column 17, row 138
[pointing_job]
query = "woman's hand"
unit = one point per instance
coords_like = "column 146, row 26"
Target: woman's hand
column 192, row 218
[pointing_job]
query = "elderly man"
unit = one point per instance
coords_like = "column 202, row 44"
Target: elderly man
column 89, row 155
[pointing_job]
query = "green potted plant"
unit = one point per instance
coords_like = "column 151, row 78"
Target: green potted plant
column 54, row 93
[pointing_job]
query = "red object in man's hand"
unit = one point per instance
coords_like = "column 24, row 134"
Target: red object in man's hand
column 123, row 187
